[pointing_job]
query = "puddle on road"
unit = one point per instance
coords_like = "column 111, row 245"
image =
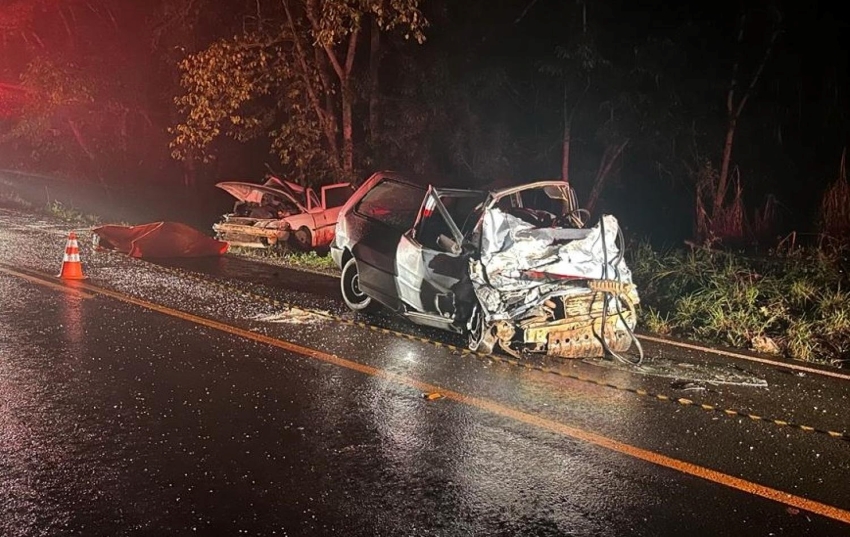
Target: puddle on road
column 687, row 376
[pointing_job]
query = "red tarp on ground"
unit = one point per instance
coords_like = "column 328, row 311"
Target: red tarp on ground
column 13, row 98
column 159, row 239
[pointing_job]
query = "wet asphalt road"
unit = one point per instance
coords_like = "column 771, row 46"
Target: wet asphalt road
column 119, row 420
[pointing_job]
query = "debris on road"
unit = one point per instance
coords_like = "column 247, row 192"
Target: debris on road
column 289, row 316
column 765, row 344
column 689, row 376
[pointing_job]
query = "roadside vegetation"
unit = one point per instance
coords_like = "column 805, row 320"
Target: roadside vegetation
column 10, row 198
column 72, row 215
column 796, row 304
column 287, row 257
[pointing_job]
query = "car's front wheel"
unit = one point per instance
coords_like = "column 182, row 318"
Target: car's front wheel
column 302, row 238
column 353, row 296
column 482, row 338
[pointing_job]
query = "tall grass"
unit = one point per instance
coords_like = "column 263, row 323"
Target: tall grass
column 799, row 304
column 11, row 199
column 72, row 215
column 834, row 218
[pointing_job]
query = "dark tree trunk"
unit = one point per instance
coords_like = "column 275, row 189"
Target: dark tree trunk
column 734, row 113
column 326, row 116
column 374, row 72
column 565, row 155
column 347, row 130
column 609, row 158
column 723, row 180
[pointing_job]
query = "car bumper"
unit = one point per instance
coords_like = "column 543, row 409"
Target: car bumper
column 256, row 236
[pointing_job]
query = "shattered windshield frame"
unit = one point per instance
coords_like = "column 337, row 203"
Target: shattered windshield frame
column 569, row 210
column 434, row 201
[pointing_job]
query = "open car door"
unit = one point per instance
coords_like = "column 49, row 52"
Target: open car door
column 326, row 213
column 431, row 265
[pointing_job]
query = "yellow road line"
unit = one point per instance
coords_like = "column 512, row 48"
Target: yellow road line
column 739, row 356
column 67, row 287
column 498, row 409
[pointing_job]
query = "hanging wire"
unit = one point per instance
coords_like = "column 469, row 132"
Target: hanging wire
column 608, row 295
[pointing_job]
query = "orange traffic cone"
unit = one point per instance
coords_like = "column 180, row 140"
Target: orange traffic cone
column 72, row 269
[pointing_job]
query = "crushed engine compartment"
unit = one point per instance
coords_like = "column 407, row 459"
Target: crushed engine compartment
column 563, row 291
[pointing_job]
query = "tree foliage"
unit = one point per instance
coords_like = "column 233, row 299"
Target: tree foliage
column 289, row 79
column 86, row 113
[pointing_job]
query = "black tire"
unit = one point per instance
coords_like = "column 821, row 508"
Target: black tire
column 302, row 239
column 354, row 298
column 481, row 337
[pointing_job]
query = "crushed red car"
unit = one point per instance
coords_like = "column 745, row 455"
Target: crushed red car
column 280, row 212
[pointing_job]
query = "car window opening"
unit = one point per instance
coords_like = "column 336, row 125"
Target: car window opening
column 543, row 207
column 392, row 203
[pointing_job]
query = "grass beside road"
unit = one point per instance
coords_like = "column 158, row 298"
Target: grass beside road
column 797, row 304
column 72, row 216
column 321, row 263
column 11, row 199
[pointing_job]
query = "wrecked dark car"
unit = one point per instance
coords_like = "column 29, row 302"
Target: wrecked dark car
column 513, row 268
column 280, row 212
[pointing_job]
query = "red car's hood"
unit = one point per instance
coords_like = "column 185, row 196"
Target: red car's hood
column 253, row 193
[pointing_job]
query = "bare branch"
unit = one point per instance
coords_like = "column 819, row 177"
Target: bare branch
column 314, row 22
column 303, row 61
column 78, row 136
column 334, row 61
column 759, row 70
column 14, row 87
column 525, row 11
column 352, row 49
column 734, row 82
column 65, row 23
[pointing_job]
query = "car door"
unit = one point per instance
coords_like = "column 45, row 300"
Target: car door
column 379, row 220
column 333, row 198
column 431, row 266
